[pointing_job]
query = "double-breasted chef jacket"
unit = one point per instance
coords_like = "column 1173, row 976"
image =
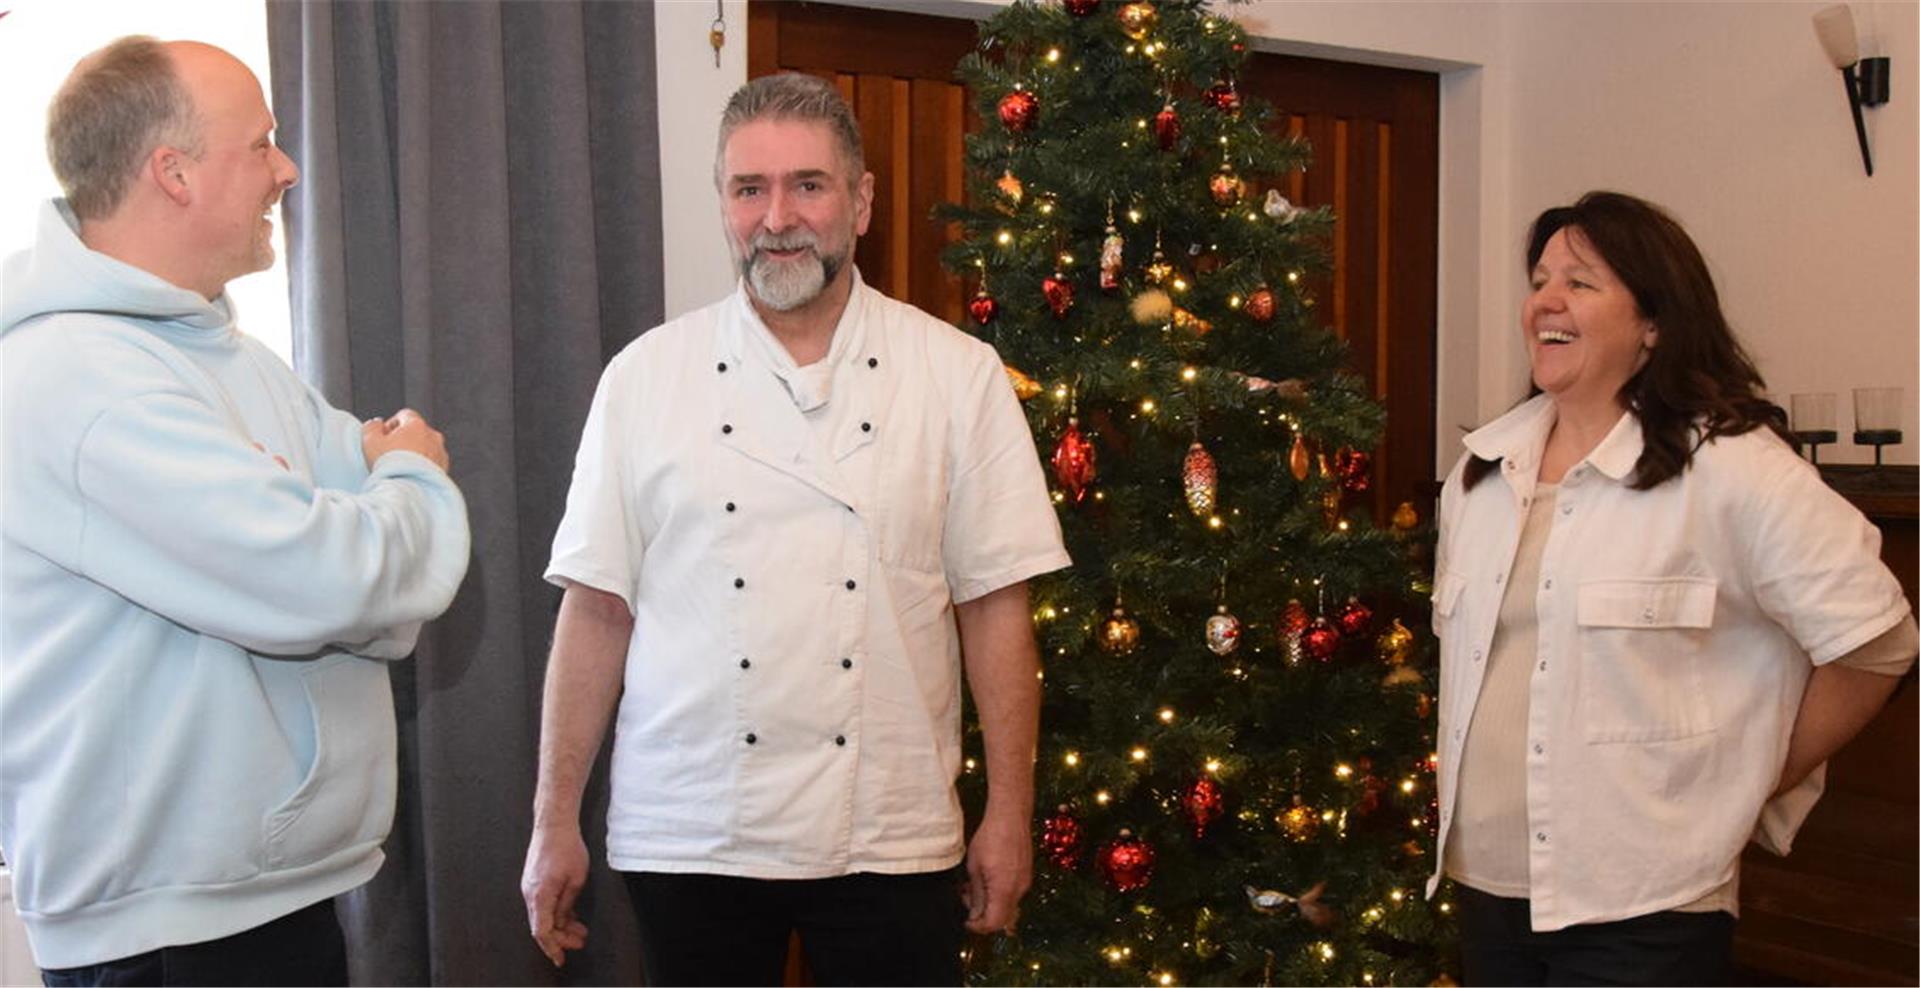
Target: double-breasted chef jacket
column 791, row 542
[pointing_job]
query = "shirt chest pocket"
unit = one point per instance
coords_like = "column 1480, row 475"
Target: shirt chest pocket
column 1643, row 658
column 911, row 497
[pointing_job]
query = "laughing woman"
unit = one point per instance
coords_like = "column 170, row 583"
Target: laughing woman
column 1656, row 622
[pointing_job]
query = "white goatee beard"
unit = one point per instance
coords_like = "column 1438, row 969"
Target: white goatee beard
column 787, row 285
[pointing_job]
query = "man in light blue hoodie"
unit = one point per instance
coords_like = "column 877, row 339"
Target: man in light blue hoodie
column 204, row 567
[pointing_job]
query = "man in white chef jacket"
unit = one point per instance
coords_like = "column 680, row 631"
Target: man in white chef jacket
column 796, row 516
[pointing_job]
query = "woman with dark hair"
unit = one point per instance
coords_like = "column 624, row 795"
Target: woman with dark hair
column 1656, row 624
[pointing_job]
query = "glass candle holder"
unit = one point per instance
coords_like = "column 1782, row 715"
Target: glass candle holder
column 1813, row 421
column 1876, row 418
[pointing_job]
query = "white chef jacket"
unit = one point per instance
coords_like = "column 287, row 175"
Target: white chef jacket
column 792, row 702
column 1675, row 631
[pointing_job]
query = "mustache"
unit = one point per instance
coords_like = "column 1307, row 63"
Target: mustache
column 786, row 241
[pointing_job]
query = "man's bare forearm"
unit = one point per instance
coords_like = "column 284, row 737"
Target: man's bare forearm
column 584, row 674
column 1003, row 674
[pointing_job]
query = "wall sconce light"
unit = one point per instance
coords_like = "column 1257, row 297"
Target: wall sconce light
column 1865, row 78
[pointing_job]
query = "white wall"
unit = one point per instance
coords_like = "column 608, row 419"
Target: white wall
column 1726, row 113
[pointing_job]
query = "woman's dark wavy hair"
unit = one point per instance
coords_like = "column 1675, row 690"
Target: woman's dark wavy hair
column 1696, row 371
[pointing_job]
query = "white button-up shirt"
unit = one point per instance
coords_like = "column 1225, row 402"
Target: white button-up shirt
column 791, row 542
column 1675, row 631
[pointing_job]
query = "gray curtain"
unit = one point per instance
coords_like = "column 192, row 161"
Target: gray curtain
column 476, row 230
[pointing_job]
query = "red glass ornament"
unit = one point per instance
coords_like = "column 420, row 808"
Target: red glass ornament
column 1355, row 618
column 1222, row 96
column 1166, row 127
column 1019, row 110
column 1073, row 463
column 1371, row 787
column 1321, row 640
column 1204, row 802
column 1293, row 619
column 1126, row 862
column 1059, row 293
column 983, row 308
column 1060, row 838
column 1260, row 304
column 1081, row 8
column 1354, row 468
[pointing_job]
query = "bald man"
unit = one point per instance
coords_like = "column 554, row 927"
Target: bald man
column 204, row 568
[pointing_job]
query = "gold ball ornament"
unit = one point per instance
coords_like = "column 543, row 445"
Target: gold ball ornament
column 1227, row 188
column 1405, row 519
column 1137, row 20
column 1299, row 822
column 1395, row 644
column 1119, row 634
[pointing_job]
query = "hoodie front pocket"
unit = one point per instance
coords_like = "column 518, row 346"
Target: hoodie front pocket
column 347, row 796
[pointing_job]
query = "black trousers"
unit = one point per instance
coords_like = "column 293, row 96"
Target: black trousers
column 1498, row 947
column 300, row 948
column 861, row 929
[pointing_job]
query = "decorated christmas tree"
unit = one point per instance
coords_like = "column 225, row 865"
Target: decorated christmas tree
column 1235, row 781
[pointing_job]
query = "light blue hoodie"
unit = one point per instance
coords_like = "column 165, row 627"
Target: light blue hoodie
column 196, row 729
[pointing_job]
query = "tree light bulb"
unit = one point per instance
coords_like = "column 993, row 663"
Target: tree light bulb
column 1072, row 759
column 1213, row 521
column 1213, row 765
column 1133, row 215
column 1188, row 374
column 1166, row 715
column 1053, row 54
column 1103, row 797
column 1343, row 771
column 1147, row 406
column 1139, row 754
column 1003, row 238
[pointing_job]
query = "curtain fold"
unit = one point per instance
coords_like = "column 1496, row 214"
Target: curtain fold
column 476, row 231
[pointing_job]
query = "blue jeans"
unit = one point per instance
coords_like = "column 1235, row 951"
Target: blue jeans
column 300, row 948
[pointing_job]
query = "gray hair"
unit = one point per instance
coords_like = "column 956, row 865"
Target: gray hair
column 118, row 105
column 793, row 96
